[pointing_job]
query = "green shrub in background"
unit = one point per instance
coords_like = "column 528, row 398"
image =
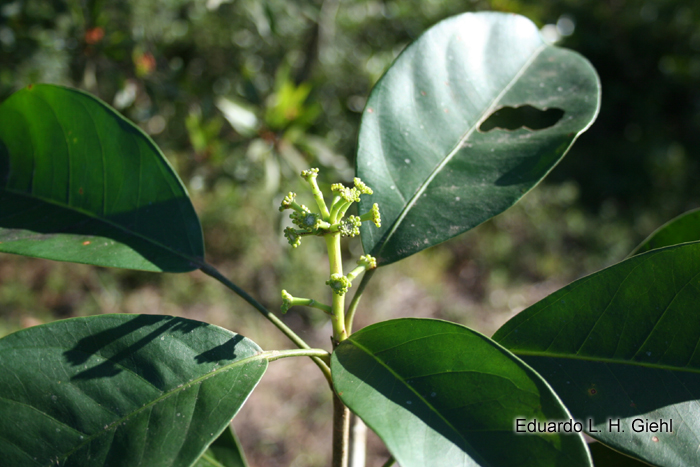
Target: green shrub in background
column 165, row 64
column 468, row 119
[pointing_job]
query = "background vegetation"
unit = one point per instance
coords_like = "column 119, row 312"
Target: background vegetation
column 243, row 94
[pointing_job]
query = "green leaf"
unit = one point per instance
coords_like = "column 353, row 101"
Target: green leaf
column 226, row 451
column 435, row 174
column 684, row 228
column 121, row 390
column 440, row 394
column 622, row 345
column 603, row 456
column 80, row 183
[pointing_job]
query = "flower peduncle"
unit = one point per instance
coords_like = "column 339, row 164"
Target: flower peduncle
column 365, row 263
column 373, row 215
column 289, row 301
column 310, row 176
column 293, row 236
column 289, row 203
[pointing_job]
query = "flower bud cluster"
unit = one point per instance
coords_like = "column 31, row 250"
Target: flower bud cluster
column 328, row 220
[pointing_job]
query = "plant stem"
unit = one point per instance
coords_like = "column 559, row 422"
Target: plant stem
column 273, row 355
column 341, row 432
column 356, row 300
column 358, row 442
column 341, row 414
column 338, row 307
column 213, row 272
column 389, row 462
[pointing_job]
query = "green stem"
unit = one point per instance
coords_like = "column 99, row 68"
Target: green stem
column 320, row 202
column 338, row 203
column 213, row 272
column 338, row 210
column 310, row 302
column 273, row 355
column 356, row 300
column 338, row 306
column 389, row 462
column 343, row 209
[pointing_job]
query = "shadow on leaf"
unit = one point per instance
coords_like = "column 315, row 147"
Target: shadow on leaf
column 225, row 351
column 123, row 343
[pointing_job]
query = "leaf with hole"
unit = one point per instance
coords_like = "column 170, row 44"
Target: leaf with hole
column 80, row 183
column 435, row 174
column 121, row 390
column 682, row 229
column 440, row 394
column 622, row 344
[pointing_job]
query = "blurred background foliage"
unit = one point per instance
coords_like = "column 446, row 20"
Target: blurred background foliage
column 242, row 95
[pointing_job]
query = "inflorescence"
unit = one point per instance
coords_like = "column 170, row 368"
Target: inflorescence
column 328, row 221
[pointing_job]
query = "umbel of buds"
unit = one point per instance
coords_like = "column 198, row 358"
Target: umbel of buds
column 328, row 221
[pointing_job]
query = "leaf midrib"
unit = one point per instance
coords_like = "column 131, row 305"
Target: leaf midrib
column 487, row 111
column 595, row 359
column 421, row 398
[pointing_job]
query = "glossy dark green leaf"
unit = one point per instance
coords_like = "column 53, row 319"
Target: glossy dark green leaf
column 440, row 394
column 121, row 390
column 684, row 228
column 621, row 346
column 80, row 183
column 226, row 451
column 435, row 174
column 603, row 456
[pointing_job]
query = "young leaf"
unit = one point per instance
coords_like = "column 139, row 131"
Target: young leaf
column 434, row 172
column 620, row 347
column 440, row 394
column 80, row 183
column 121, row 390
column 226, row 451
column 682, row 229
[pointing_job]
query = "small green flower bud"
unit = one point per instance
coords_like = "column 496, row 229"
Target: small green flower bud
column 373, row 215
column 339, row 284
column 292, row 237
column 350, row 195
column 350, row 227
column 287, row 300
column 368, row 261
column 305, row 219
column 288, row 201
column 309, row 174
column 365, row 263
column 361, row 187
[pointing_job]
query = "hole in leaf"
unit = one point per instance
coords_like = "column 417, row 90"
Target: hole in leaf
column 512, row 118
